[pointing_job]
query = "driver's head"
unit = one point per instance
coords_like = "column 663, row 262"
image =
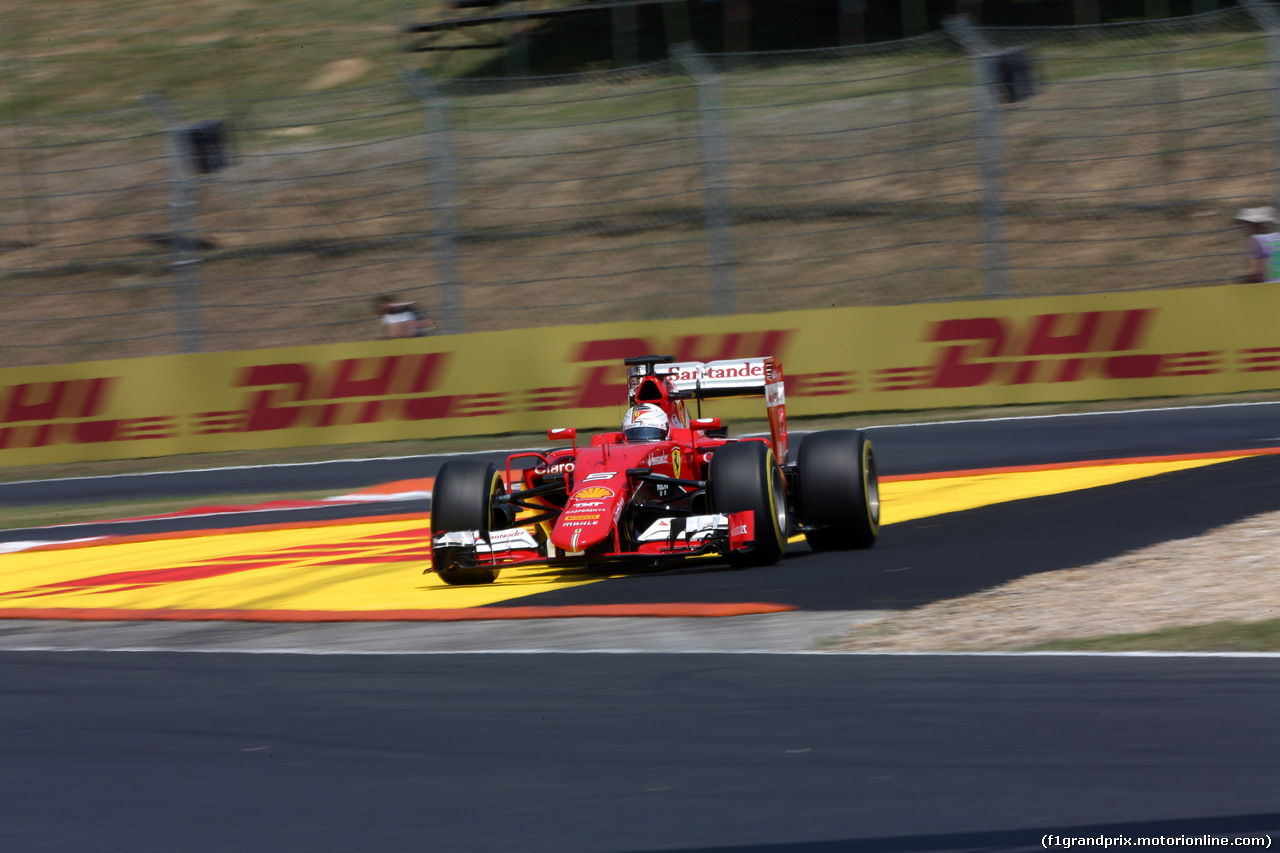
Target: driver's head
column 645, row 422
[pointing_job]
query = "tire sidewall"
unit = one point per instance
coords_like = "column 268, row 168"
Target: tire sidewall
column 462, row 499
column 745, row 476
column 838, row 491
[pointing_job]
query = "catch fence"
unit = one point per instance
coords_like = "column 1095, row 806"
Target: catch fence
column 932, row 168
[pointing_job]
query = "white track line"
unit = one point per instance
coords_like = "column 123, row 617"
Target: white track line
column 519, row 449
column 1074, row 415
column 268, row 465
column 553, row 651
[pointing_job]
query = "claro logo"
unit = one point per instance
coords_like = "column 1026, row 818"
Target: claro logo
column 1063, row 347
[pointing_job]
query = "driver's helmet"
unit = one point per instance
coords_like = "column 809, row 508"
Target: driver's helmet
column 645, row 422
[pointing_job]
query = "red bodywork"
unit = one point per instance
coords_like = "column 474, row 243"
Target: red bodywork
column 605, row 501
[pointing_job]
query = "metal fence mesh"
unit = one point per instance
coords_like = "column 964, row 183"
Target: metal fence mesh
column 1130, row 160
column 580, row 199
column 879, row 174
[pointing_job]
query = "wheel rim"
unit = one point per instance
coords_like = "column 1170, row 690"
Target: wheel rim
column 495, row 488
column 872, row 483
column 778, row 498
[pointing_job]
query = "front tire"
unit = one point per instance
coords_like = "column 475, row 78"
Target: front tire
column 463, row 499
column 839, row 490
column 745, row 477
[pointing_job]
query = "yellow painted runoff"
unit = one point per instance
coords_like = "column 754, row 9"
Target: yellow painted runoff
column 377, row 566
column 910, row 499
column 373, row 566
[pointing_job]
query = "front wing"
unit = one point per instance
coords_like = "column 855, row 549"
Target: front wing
column 665, row 540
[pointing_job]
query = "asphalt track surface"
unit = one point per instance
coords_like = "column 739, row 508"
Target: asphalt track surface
column 960, row 553
column 329, row 750
column 594, row 752
column 902, row 449
column 945, row 556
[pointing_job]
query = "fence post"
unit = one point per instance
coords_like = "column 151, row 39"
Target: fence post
column 515, row 57
column 737, row 26
column 182, row 222
column 715, row 177
column 1268, row 19
column 853, row 22
column 915, row 17
column 990, row 166
column 1086, row 12
column 625, row 26
column 442, row 183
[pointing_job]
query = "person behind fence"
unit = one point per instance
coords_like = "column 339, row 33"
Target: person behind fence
column 401, row 319
column 1260, row 224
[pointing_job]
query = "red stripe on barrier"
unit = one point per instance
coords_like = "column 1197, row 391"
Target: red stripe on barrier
column 461, row 614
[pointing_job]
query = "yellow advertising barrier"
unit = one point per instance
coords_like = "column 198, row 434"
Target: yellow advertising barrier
column 983, row 353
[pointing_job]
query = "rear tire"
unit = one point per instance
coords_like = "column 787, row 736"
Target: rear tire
column 839, row 491
column 745, row 477
column 462, row 499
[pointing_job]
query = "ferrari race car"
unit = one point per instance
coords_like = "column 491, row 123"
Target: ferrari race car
column 665, row 488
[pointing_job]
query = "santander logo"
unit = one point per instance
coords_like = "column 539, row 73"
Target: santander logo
column 746, row 370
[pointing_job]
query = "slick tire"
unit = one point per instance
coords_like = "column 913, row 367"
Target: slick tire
column 462, row 499
column 839, row 492
column 745, row 477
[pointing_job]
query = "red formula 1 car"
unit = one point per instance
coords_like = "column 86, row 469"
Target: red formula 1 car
column 666, row 487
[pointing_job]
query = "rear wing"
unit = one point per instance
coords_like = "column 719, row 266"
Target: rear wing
column 739, row 377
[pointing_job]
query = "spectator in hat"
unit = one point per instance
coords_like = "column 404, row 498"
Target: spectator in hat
column 1264, row 243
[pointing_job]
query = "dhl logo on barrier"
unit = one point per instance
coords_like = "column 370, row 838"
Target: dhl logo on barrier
column 345, row 392
column 286, row 396
column 70, row 411
column 1207, row 340
column 283, row 396
column 1065, row 347
column 1047, row 348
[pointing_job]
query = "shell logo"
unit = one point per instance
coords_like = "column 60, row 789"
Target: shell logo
column 592, row 493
